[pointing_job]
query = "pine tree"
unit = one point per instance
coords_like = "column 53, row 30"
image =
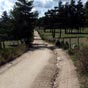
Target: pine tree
column 60, row 16
column 80, row 15
column 86, row 13
column 72, row 12
column 4, row 27
column 24, row 20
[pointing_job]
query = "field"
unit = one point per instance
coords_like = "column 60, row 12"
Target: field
column 83, row 38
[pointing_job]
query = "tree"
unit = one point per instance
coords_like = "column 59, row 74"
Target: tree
column 80, row 19
column 24, row 20
column 50, row 20
column 60, row 16
column 66, row 16
column 72, row 12
column 4, row 27
column 86, row 13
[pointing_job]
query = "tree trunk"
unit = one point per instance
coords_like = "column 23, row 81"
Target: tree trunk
column 65, row 31
column 53, row 33
column 44, row 29
column 60, row 33
column 3, row 44
column 0, row 45
column 78, row 41
column 70, row 43
column 18, row 43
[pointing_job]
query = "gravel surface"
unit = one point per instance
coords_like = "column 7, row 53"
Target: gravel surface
column 67, row 77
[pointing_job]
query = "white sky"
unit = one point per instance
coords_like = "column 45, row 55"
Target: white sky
column 40, row 5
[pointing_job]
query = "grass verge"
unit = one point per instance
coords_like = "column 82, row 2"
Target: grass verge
column 9, row 54
column 80, row 59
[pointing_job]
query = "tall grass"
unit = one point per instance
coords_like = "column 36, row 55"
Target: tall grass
column 9, row 54
column 80, row 59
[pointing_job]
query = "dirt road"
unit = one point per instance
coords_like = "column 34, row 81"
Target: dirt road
column 40, row 68
column 30, row 66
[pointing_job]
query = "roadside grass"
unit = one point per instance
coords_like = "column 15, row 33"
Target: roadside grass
column 9, row 54
column 10, row 44
column 80, row 59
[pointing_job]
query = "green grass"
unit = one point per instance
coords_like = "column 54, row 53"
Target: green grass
column 83, row 76
column 9, row 54
column 48, row 34
column 82, row 37
column 8, row 44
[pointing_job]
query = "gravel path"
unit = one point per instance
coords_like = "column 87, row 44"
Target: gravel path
column 67, row 77
column 40, row 68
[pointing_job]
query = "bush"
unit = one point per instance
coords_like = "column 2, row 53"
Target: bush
column 58, row 44
column 66, row 45
column 71, row 52
column 62, row 44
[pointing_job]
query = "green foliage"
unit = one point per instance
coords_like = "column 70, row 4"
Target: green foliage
column 81, row 57
column 66, row 45
column 57, row 43
column 20, row 23
column 71, row 52
column 24, row 20
column 67, row 16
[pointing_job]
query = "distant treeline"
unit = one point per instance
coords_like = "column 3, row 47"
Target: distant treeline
column 68, row 16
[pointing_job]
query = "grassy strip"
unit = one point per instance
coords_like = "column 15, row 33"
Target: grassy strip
column 9, row 54
column 80, row 59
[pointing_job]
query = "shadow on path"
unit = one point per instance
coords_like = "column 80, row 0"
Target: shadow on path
column 42, row 46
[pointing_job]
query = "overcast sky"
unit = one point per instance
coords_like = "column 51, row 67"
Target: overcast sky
column 40, row 5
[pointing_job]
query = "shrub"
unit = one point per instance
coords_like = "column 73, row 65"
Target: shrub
column 66, row 45
column 71, row 51
column 58, row 44
column 62, row 44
